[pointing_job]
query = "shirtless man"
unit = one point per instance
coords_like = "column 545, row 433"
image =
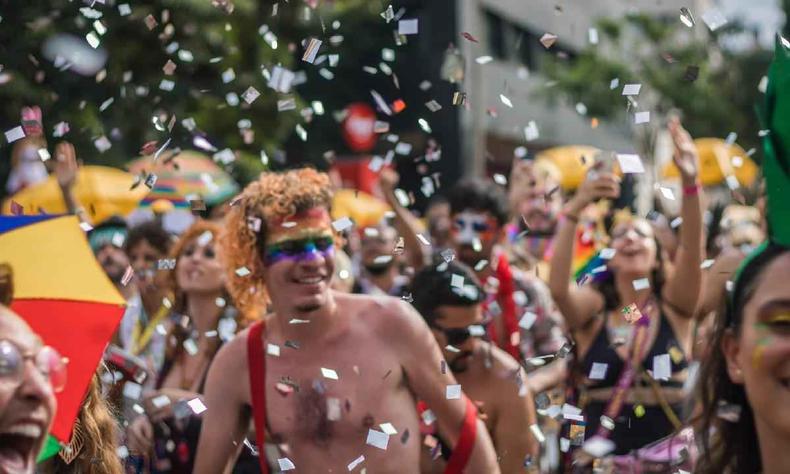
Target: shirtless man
column 337, row 366
column 488, row 375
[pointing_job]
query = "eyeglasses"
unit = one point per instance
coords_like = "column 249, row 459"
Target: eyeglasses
column 457, row 336
column 47, row 360
column 296, row 248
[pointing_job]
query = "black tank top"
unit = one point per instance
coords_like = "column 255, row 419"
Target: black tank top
column 631, row 432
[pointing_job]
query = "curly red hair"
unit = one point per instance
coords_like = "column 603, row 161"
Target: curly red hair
column 273, row 197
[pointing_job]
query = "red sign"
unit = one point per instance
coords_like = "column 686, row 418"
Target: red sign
column 358, row 127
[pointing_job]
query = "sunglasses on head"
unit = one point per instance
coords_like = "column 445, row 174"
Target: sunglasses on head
column 48, row 361
column 457, row 336
column 297, row 247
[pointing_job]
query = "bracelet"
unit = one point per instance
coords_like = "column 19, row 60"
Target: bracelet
column 570, row 217
column 692, row 190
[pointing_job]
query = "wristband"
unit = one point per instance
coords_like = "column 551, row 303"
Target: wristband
column 692, row 190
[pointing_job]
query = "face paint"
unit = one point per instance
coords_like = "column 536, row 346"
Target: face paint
column 762, row 343
column 298, row 249
column 472, row 227
column 304, row 236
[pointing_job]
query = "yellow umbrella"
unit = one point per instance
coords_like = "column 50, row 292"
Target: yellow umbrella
column 717, row 161
column 101, row 190
column 568, row 159
column 364, row 209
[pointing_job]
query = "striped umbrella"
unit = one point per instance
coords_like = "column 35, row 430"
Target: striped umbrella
column 63, row 294
column 184, row 176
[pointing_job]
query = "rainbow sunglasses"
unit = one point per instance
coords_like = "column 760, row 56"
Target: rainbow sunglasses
column 298, row 249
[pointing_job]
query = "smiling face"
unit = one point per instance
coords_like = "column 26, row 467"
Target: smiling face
column 26, row 407
column 299, row 260
column 376, row 244
column 199, row 267
column 474, row 235
column 758, row 357
column 635, row 248
column 113, row 261
column 539, row 205
column 453, row 323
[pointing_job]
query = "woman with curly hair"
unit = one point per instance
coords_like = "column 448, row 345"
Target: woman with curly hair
column 203, row 320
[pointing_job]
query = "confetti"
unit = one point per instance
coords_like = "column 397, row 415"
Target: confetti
column 662, row 367
column 242, row 271
column 132, row 390
column 329, row 373
column 459, row 98
column 250, row 95
column 484, row 59
column 714, row 18
column 342, row 224
column 457, row 281
column 675, row 223
column 505, row 100
column 527, row 320
column 631, row 313
column 537, row 433
column 14, row 134
column 388, row 429
column 631, row 89
column 312, row 50
column 281, row 79
column 408, row 27
column 548, row 40
column 448, row 255
column 356, row 462
column 433, row 106
column 667, row 193
column 641, row 284
column 686, row 17
column 630, row 163
column 286, row 464
column 166, row 264
column 197, row 406
column 204, row 238
column 197, row 205
column 422, row 239
column 592, row 36
column 598, row 446
column 607, row 422
column 424, row 125
column 500, row 179
column 286, row 104
column 642, row 117
column 607, row 253
column 377, row 439
column 707, row 264
column 531, row 131
column 453, row 392
column 598, row 371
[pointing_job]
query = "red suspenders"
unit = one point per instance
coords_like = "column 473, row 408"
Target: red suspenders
column 466, row 441
column 256, row 362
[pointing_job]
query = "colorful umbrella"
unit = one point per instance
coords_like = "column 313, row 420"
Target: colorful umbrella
column 718, row 160
column 63, row 294
column 187, row 175
column 101, row 190
column 366, row 210
column 570, row 163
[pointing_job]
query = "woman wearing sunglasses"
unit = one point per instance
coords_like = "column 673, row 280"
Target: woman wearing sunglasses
column 632, row 327
column 30, row 375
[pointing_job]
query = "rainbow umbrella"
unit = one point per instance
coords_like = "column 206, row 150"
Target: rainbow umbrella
column 183, row 176
column 102, row 190
column 63, row 294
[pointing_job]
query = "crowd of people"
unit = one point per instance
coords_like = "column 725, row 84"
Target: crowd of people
column 513, row 329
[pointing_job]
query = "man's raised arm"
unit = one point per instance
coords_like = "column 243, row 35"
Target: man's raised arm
column 421, row 360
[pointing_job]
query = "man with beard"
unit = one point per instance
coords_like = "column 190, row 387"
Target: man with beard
column 449, row 297
column 380, row 272
column 524, row 320
column 328, row 378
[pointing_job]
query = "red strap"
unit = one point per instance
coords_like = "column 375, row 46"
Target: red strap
column 508, row 305
column 256, row 361
column 466, row 442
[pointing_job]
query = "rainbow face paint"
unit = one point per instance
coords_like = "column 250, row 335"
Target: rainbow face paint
column 303, row 236
column 471, row 226
column 299, row 249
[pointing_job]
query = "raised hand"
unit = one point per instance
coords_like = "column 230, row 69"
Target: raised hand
column 66, row 164
column 685, row 156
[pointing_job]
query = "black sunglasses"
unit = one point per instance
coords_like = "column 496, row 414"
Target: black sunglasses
column 457, row 336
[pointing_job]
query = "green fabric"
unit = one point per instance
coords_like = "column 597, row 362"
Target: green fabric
column 51, row 448
column 776, row 166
